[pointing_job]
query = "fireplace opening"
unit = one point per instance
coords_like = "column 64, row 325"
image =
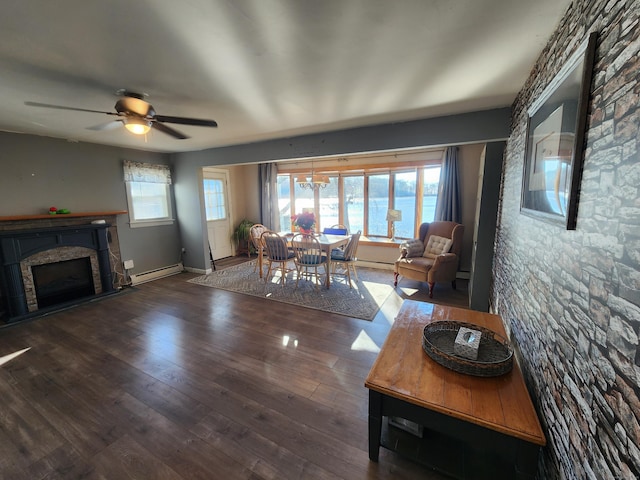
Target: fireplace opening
column 64, row 281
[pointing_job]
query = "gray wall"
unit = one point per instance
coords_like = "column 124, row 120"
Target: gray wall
column 39, row 172
column 476, row 127
column 572, row 298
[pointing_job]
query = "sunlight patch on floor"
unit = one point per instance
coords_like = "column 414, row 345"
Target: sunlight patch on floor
column 364, row 343
column 409, row 291
column 7, row 358
column 286, row 340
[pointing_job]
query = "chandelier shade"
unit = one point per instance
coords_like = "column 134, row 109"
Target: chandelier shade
column 314, row 182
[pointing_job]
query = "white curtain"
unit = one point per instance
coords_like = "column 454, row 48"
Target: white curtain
column 146, row 172
column 448, row 207
column 269, row 210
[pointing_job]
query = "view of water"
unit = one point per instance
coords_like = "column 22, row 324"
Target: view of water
column 377, row 214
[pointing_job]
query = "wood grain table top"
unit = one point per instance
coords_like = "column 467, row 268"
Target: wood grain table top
column 404, row 371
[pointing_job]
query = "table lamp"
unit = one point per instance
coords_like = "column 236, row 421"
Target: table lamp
column 394, row 216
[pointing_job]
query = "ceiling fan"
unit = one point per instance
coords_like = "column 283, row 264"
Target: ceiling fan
column 137, row 115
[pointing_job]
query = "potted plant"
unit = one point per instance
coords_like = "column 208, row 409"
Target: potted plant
column 242, row 236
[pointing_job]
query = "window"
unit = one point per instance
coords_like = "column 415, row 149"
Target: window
column 377, row 205
column 214, row 199
column 359, row 197
column 329, row 204
column 284, row 201
column 404, row 199
column 431, row 182
column 353, row 202
column 148, row 194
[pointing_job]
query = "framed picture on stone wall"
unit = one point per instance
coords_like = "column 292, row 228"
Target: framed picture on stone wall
column 555, row 141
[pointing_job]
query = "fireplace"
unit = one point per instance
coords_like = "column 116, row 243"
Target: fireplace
column 42, row 268
column 60, row 282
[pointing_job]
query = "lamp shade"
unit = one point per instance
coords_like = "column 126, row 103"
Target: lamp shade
column 139, row 126
column 394, row 215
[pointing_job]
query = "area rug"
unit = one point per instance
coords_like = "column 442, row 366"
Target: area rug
column 362, row 301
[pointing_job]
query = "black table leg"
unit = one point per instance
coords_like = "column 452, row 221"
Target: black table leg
column 375, row 424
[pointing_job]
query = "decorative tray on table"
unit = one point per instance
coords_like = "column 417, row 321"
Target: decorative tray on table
column 495, row 354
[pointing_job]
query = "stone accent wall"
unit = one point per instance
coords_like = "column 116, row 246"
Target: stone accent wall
column 572, row 298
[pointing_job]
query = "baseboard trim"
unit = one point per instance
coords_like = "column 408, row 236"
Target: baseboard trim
column 137, row 279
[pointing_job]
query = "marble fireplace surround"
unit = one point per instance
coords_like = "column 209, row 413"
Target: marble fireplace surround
column 26, row 241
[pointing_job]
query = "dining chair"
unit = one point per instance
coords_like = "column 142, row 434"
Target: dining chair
column 308, row 257
column 278, row 253
column 346, row 259
column 338, row 229
column 255, row 234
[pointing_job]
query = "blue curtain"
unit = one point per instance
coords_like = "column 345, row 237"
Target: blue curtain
column 448, row 207
column 269, row 213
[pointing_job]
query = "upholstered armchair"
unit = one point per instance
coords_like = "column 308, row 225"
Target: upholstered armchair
column 433, row 257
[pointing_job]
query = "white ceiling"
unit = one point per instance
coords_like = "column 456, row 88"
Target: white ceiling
column 262, row 68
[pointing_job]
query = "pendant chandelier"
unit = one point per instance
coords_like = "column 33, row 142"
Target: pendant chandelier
column 315, row 182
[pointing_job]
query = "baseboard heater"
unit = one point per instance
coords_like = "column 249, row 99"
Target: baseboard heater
column 139, row 278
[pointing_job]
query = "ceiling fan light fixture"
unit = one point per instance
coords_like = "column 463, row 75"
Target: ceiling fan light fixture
column 138, row 126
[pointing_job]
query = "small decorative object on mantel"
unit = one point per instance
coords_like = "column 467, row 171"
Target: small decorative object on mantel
column 495, row 354
column 58, row 211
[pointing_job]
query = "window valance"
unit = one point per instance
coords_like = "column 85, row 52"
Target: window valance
column 146, row 172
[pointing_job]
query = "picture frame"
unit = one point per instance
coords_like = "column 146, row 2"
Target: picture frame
column 555, row 141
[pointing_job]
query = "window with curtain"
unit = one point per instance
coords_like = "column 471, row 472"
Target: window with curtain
column 360, row 199
column 148, row 194
column 431, row 182
column 285, row 212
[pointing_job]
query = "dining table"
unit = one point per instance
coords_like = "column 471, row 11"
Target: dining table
column 327, row 242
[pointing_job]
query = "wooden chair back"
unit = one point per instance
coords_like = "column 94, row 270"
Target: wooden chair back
column 275, row 246
column 308, row 250
column 255, row 233
column 351, row 247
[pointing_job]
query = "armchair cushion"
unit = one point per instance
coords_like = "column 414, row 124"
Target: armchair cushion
column 420, row 264
column 412, row 248
column 437, row 245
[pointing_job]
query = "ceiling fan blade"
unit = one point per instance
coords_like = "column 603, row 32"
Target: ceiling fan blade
column 198, row 122
column 168, row 130
column 62, row 107
column 106, row 126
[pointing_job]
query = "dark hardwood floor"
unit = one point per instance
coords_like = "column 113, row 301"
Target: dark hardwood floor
column 171, row 380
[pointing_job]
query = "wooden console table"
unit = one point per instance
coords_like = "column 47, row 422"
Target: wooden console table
column 474, row 427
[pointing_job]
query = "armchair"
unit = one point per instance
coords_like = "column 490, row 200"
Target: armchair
column 431, row 260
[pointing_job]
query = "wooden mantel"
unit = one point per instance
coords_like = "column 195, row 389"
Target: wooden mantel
column 13, row 218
